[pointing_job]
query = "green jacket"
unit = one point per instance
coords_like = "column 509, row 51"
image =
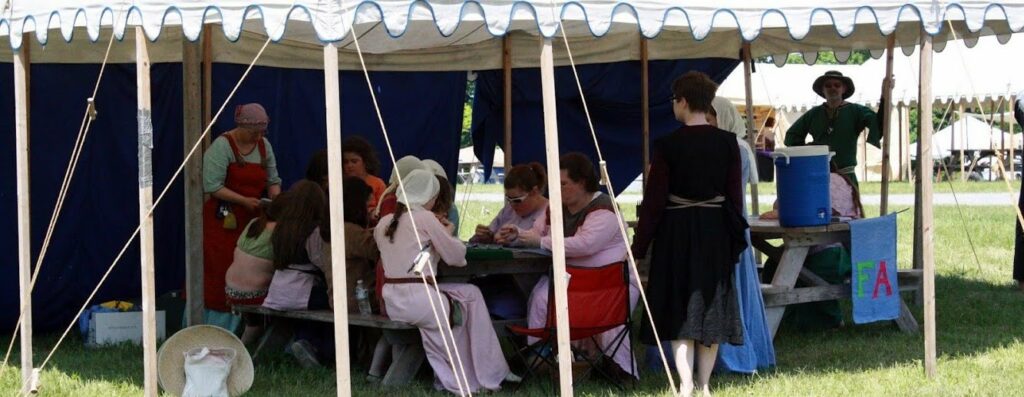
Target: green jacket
column 850, row 120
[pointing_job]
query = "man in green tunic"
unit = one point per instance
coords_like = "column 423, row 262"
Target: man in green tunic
column 836, row 123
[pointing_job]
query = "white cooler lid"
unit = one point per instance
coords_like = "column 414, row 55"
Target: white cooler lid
column 804, row 151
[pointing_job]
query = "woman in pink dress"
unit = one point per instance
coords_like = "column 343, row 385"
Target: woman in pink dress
column 407, row 300
column 592, row 239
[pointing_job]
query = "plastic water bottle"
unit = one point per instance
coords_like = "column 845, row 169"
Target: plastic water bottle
column 363, row 298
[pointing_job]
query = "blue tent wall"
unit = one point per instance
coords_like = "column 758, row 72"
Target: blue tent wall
column 101, row 210
column 423, row 114
column 613, row 96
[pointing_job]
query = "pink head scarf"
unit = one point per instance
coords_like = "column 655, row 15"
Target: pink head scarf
column 251, row 116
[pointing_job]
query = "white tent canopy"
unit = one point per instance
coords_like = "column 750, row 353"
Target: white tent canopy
column 466, row 156
column 435, row 35
column 989, row 70
column 968, row 133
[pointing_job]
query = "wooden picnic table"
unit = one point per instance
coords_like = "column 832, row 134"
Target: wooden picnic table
column 790, row 256
column 524, row 267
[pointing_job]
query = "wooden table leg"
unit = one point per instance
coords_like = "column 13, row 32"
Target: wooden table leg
column 906, row 320
column 773, row 315
column 279, row 332
column 790, row 264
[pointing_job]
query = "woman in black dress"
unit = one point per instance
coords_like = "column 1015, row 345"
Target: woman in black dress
column 691, row 213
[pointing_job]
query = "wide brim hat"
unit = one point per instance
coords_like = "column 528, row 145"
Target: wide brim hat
column 171, row 359
column 832, row 74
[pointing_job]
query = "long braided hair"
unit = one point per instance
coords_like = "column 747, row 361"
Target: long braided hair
column 390, row 231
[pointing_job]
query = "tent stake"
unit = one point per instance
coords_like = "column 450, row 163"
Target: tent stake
column 926, row 230
column 22, row 63
column 560, row 280
column 145, row 119
column 887, row 124
column 332, row 88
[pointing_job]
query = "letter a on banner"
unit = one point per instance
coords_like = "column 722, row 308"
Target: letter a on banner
column 873, row 249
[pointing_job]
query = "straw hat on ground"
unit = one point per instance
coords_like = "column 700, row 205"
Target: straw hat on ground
column 171, row 361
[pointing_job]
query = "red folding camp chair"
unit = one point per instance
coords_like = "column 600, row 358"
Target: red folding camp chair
column 598, row 302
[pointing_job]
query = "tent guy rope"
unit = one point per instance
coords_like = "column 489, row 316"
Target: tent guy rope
column 83, row 131
column 156, row 202
column 606, row 181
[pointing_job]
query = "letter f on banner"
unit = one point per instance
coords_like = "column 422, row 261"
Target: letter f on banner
column 862, row 276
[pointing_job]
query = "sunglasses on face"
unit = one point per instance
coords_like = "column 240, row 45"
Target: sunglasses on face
column 516, row 200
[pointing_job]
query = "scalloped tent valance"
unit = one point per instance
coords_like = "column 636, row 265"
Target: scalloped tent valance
column 446, row 35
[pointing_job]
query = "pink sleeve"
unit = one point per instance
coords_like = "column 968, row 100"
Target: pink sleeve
column 540, row 225
column 842, row 197
column 449, row 248
column 599, row 230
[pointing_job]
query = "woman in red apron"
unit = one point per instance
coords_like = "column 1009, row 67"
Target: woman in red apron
column 237, row 168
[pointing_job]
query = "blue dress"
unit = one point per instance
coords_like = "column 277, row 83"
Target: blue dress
column 757, row 351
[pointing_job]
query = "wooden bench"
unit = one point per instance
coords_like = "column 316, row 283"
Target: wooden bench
column 405, row 336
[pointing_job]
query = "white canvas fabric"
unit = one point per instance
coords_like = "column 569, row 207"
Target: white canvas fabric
column 446, row 35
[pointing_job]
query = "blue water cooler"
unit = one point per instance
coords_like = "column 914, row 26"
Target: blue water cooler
column 802, row 181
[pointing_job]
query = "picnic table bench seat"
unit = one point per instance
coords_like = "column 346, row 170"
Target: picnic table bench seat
column 404, row 335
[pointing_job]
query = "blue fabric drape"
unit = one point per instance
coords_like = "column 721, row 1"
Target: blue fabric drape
column 613, row 97
column 757, row 351
column 423, row 114
column 101, row 209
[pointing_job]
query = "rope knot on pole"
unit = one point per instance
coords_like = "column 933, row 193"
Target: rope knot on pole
column 91, row 108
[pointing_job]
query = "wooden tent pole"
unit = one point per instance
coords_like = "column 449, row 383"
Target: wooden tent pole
column 560, row 282
column 887, row 124
column 905, row 126
column 748, row 67
column 645, row 109
column 145, row 124
column 963, row 140
column 926, row 230
column 1013, row 140
column 21, row 144
column 506, row 87
column 332, row 88
column 899, row 145
column 192, row 104
column 1002, row 136
column 207, row 40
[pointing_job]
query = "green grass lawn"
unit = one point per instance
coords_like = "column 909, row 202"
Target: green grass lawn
column 980, row 339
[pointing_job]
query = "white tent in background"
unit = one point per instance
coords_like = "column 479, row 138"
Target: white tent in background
column 985, row 70
column 975, row 72
column 968, row 134
column 466, row 156
column 471, row 169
